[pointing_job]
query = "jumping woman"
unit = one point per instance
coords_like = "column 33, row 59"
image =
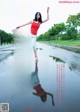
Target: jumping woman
column 35, row 24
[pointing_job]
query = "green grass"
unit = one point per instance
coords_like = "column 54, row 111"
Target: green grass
column 65, row 42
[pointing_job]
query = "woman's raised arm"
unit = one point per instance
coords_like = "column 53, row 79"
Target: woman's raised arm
column 47, row 15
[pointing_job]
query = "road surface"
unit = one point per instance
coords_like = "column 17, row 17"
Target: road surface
column 58, row 73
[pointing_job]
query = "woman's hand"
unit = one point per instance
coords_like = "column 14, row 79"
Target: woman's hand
column 17, row 27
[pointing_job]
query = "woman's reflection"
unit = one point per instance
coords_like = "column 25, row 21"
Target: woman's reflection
column 39, row 91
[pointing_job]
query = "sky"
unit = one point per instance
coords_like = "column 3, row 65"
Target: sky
column 17, row 12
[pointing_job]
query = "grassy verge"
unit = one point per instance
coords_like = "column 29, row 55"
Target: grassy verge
column 75, row 43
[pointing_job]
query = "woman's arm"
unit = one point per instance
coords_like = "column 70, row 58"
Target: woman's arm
column 34, row 93
column 47, row 16
column 24, row 24
column 52, row 98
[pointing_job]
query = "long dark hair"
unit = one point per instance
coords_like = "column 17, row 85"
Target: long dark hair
column 44, row 98
column 40, row 19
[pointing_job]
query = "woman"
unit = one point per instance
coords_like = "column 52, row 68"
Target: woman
column 35, row 24
column 37, row 87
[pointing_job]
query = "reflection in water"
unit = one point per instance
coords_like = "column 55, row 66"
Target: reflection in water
column 73, row 66
column 57, row 59
column 39, row 91
column 6, row 55
column 39, row 48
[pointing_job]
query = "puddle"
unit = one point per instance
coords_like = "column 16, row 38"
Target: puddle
column 30, row 86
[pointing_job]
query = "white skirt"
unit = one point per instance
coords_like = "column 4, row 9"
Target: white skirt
column 26, row 41
column 34, row 42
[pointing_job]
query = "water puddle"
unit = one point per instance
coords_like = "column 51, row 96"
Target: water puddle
column 49, row 85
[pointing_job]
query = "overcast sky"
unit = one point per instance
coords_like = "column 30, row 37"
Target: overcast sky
column 17, row 12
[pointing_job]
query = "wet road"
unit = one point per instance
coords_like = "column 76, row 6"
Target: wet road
column 57, row 73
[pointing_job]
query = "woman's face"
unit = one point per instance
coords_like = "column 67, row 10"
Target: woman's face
column 38, row 15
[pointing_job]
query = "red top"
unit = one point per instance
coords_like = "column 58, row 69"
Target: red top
column 34, row 27
column 39, row 90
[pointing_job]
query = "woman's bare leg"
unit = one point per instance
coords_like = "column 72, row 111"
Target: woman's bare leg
column 35, row 54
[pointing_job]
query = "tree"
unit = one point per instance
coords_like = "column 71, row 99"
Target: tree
column 62, row 31
column 73, row 23
column 74, row 20
column 6, row 37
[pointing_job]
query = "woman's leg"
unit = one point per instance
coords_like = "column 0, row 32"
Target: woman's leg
column 35, row 54
column 34, row 48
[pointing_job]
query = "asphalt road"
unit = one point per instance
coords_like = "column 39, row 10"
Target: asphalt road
column 57, row 72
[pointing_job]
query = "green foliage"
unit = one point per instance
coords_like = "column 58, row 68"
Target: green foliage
column 65, row 37
column 56, row 29
column 6, row 37
column 61, row 31
column 72, row 33
column 74, row 20
column 78, row 36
